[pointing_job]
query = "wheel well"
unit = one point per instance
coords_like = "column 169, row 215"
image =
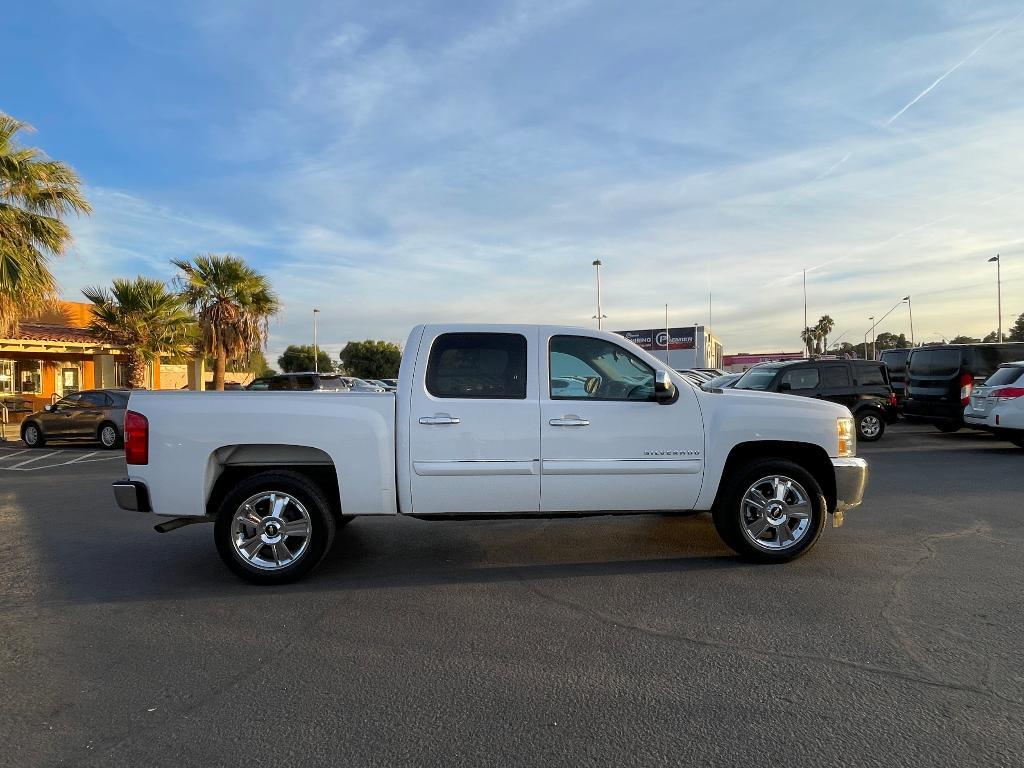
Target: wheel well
column 325, row 476
column 811, row 457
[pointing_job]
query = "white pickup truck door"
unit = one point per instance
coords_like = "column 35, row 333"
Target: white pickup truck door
column 605, row 444
column 474, row 441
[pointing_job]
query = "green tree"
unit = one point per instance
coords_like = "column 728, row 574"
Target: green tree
column 1017, row 331
column 35, row 193
column 299, row 357
column 145, row 318
column 991, row 337
column 886, row 340
column 810, row 339
column 964, row 340
column 371, row 359
column 233, row 304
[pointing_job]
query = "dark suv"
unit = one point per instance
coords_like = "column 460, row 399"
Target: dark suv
column 896, row 361
column 861, row 385
column 300, row 382
column 940, row 379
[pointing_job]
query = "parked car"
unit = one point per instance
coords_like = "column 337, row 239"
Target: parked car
column 92, row 414
column 941, row 378
column 361, row 385
column 725, row 381
column 300, row 382
column 896, row 361
column 861, row 385
column 382, row 384
column 997, row 406
column 477, row 432
column 393, row 383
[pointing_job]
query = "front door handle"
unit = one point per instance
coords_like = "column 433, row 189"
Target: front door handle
column 569, row 421
column 440, row 418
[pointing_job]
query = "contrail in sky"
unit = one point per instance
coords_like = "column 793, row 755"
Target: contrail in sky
column 953, row 69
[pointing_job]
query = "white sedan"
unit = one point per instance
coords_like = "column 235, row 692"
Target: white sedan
column 998, row 405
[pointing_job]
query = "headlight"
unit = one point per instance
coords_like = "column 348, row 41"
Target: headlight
column 847, row 437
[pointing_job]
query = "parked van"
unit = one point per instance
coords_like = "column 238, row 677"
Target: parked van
column 896, row 361
column 940, row 379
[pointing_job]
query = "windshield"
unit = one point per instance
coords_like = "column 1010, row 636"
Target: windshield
column 756, row 378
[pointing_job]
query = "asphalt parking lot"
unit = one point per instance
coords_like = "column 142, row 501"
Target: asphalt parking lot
column 611, row 641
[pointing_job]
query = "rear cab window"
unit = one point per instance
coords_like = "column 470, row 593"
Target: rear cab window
column 1010, row 374
column 487, row 366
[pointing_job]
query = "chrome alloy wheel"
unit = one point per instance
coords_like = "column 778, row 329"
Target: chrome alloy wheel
column 271, row 530
column 776, row 513
column 870, row 426
column 108, row 436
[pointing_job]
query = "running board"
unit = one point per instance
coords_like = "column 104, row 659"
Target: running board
column 181, row 522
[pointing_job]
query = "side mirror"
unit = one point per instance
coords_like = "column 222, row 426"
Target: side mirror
column 48, row 408
column 664, row 389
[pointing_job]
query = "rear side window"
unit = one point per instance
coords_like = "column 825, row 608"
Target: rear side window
column 935, row 362
column 800, row 378
column 478, row 365
column 835, row 376
column 281, row 385
column 94, row 399
column 333, row 383
column 870, row 375
column 305, row 383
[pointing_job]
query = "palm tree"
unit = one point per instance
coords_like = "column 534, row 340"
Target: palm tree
column 232, row 302
column 824, row 328
column 145, row 318
column 34, row 194
column 810, row 339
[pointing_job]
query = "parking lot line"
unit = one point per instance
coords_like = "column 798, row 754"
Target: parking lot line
column 83, row 457
column 34, row 458
column 6, row 456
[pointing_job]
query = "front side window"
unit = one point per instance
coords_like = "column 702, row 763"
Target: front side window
column 585, row 368
column 758, row 377
column 800, row 378
column 478, row 366
column 70, row 401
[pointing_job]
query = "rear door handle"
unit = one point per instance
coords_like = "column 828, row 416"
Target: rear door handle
column 440, row 418
column 569, row 421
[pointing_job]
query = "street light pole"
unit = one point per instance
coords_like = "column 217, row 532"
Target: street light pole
column 999, row 295
column 668, row 340
column 910, row 308
column 872, row 319
column 316, row 355
column 805, row 303
column 598, row 316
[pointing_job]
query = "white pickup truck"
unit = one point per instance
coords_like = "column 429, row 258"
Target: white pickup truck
column 490, row 422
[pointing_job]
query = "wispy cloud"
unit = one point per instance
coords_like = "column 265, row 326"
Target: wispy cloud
column 954, row 68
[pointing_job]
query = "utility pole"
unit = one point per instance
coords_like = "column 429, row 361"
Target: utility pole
column 598, row 316
column 668, row 340
column 910, row 308
column 805, row 303
column 999, row 295
column 316, row 355
column 872, row 319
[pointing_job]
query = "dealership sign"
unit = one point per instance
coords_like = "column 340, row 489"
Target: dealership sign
column 659, row 338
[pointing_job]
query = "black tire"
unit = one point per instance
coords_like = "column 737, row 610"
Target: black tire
column 731, row 513
column 101, row 435
column 870, row 425
column 30, row 428
column 322, row 526
column 948, row 427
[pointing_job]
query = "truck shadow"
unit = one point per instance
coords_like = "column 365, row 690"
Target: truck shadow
column 384, row 553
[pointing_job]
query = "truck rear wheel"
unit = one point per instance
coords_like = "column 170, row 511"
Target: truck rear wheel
column 772, row 511
column 274, row 527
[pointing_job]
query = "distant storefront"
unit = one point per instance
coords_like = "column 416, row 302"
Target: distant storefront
column 743, row 361
column 55, row 354
column 691, row 346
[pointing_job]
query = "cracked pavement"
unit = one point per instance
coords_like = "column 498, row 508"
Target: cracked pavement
column 624, row 641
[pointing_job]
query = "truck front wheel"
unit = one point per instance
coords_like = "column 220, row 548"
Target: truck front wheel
column 772, row 511
column 274, row 527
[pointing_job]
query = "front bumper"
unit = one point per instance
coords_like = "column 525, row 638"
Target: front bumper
column 851, row 480
column 132, row 495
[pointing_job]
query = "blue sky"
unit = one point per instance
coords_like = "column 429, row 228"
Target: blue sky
column 400, row 162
